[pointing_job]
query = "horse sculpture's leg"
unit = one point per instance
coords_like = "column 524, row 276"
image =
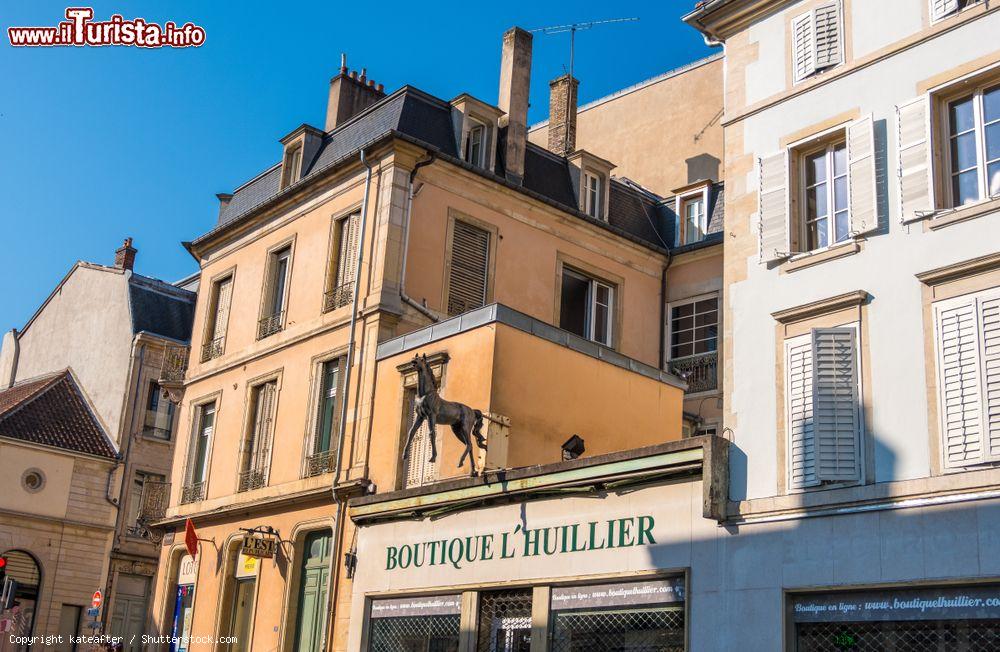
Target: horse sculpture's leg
column 463, row 431
column 432, row 432
column 417, row 422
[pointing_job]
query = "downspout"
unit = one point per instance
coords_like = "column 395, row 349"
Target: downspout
column 431, row 157
column 336, row 528
column 663, row 310
column 126, row 436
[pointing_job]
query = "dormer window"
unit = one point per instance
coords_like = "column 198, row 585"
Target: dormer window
column 475, row 144
column 593, row 196
column 691, row 206
column 291, row 167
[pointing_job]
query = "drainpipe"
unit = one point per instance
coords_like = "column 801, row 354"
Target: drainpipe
column 663, row 310
column 338, row 508
column 431, row 157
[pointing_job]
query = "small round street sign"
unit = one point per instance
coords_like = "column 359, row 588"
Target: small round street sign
column 97, row 599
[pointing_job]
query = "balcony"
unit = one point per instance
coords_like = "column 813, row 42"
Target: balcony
column 541, row 383
column 320, row 463
column 213, row 349
column 252, row 479
column 338, row 297
column 192, row 493
column 270, row 325
column 152, row 507
column 701, row 372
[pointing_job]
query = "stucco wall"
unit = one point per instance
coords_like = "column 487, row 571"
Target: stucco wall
column 664, row 135
column 86, row 325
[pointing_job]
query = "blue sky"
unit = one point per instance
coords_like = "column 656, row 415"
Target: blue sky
column 102, row 143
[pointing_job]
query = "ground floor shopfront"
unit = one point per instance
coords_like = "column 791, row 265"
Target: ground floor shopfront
column 625, row 552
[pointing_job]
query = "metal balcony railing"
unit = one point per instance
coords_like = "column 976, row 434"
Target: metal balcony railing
column 338, row 297
column 252, row 479
column 320, row 463
column 153, row 502
column 270, row 325
column 193, row 492
column 700, row 371
column 175, row 362
column 212, row 349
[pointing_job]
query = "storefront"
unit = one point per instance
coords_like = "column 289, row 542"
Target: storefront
column 584, row 555
column 183, row 604
column 959, row 618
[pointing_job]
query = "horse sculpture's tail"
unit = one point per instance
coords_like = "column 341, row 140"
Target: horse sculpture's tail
column 477, row 428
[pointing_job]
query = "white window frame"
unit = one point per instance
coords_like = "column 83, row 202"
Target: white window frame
column 979, row 128
column 592, row 303
column 291, row 166
column 862, row 437
column 593, row 195
column 803, row 193
column 797, row 78
column 198, row 412
column 680, row 221
column 474, row 126
column 670, row 323
column 254, row 388
column 961, row 5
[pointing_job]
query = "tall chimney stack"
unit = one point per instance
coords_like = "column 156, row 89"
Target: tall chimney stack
column 515, row 81
column 350, row 95
column 562, row 114
column 125, row 255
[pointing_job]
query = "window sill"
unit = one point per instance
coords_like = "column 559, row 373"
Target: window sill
column 969, row 212
column 839, row 250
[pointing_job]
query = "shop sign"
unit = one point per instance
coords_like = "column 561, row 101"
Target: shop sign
column 435, row 605
column 946, row 603
column 520, row 542
column 618, row 595
column 262, row 547
column 246, row 566
column 188, row 571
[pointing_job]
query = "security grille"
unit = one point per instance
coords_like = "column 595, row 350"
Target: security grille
column 505, row 621
column 900, row 636
column 645, row 629
column 414, row 634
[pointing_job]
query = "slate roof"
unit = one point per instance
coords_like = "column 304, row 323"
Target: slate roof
column 52, row 411
column 422, row 118
column 160, row 308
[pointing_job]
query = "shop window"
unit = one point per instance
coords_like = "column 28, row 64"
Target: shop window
column 418, row 624
column 967, row 341
column 241, row 594
column 342, row 276
column 505, row 621
column 158, row 422
column 586, row 306
column 624, row 617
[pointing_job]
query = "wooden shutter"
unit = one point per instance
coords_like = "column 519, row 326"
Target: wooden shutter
column 798, row 397
column 827, row 36
column 418, row 470
column 259, row 445
column 959, row 383
column 803, row 46
column 470, row 256
column 773, row 227
column 942, row 8
column 989, row 328
column 836, row 417
column 223, row 299
column 347, row 256
column 861, row 175
column 913, row 140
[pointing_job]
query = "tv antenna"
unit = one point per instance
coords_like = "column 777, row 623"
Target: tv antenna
column 573, row 28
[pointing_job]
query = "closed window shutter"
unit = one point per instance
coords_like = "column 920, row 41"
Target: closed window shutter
column 419, row 470
column 989, row 327
column 773, row 228
column 802, row 454
column 259, row 445
column 942, row 8
column 826, row 35
column 959, row 378
column 861, row 171
column 348, row 254
column 470, row 254
column 835, row 404
column 222, row 302
column 803, row 46
column 913, row 139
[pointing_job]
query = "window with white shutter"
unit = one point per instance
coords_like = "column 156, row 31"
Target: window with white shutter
column 772, row 210
column 822, row 412
column 256, row 455
column 967, row 333
column 817, row 40
column 220, row 299
column 916, row 190
column 944, row 8
column 343, row 262
column 861, row 171
column 468, row 273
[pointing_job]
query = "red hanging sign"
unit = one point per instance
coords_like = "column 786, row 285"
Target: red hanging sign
column 190, row 539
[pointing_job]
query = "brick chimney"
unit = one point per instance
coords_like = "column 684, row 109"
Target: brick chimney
column 562, row 114
column 125, row 255
column 515, row 80
column 350, row 94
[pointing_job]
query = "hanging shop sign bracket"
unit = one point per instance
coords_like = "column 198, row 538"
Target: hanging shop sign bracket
column 260, row 542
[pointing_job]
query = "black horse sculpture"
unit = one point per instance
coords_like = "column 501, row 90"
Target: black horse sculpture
column 465, row 422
